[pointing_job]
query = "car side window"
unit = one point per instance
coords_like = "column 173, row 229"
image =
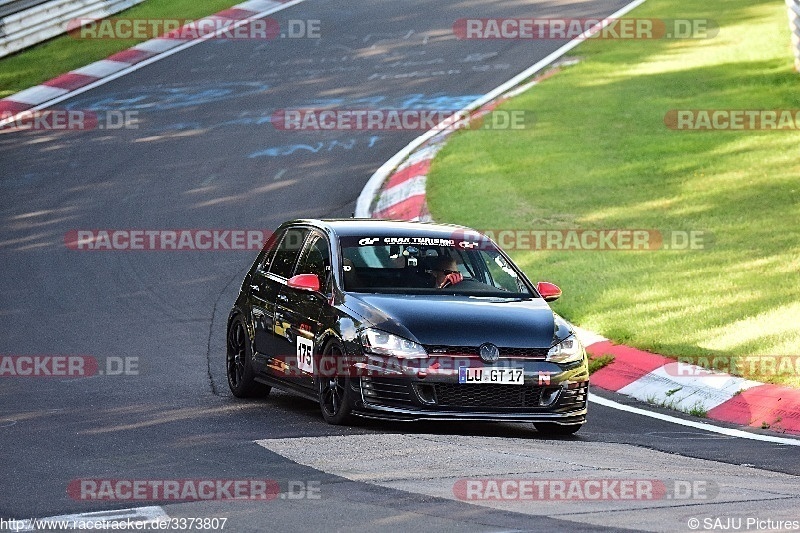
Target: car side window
column 268, row 252
column 287, row 252
column 316, row 260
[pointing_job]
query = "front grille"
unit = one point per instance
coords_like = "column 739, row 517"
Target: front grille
column 391, row 392
column 529, row 353
column 494, row 396
column 537, row 353
column 386, row 391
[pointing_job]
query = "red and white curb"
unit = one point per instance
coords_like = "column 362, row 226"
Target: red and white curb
column 77, row 81
column 397, row 191
column 663, row 381
column 403, row 195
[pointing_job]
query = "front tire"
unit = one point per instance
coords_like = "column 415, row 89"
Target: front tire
column 335, row 397
column 241, row 377
column 550, row 428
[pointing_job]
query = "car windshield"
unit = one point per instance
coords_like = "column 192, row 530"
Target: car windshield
column 413, row 265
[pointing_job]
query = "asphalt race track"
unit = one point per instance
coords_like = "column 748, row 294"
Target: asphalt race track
column 205, row 156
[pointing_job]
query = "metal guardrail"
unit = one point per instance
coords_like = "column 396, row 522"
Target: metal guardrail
column 27, row 22
column 794, row 26
column 9, row 7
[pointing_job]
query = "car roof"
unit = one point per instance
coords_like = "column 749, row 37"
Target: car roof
column 359, row 227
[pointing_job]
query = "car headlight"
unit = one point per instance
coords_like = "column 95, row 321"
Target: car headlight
column 379, row 342
column 569, row 350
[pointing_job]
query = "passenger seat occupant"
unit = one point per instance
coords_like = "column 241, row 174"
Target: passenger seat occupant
column 446, row 272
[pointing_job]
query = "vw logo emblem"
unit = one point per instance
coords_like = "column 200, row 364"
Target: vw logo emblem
column 489, row 353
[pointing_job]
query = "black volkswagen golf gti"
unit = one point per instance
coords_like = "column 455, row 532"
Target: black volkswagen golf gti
column 404, row 321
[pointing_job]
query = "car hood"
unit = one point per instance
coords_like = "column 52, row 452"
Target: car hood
column 459, row 320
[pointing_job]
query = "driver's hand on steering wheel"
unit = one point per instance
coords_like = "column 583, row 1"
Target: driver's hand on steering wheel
column 451, row 279
column 446, row 271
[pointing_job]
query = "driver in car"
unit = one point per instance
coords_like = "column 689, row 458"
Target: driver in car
column 446, row 272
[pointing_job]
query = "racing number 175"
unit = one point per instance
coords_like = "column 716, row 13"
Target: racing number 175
column 305, row 351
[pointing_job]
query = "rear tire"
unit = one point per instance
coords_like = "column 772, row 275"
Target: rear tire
column 241, row 377
column 550, row 428
column 335, row 398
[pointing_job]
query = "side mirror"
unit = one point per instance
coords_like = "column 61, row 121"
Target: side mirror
column 549, row 291
column 304, row 282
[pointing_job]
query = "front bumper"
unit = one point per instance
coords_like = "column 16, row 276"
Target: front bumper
column 550, row 393
column 410, row 415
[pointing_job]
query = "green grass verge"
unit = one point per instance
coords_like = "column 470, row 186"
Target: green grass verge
column 601, row 157
column 596, row 363
column 62, row 54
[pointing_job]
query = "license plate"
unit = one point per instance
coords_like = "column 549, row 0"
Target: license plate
column 506, row 376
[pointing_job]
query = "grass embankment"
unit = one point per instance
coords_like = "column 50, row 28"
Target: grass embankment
column 600, row 156
column 62, row 54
